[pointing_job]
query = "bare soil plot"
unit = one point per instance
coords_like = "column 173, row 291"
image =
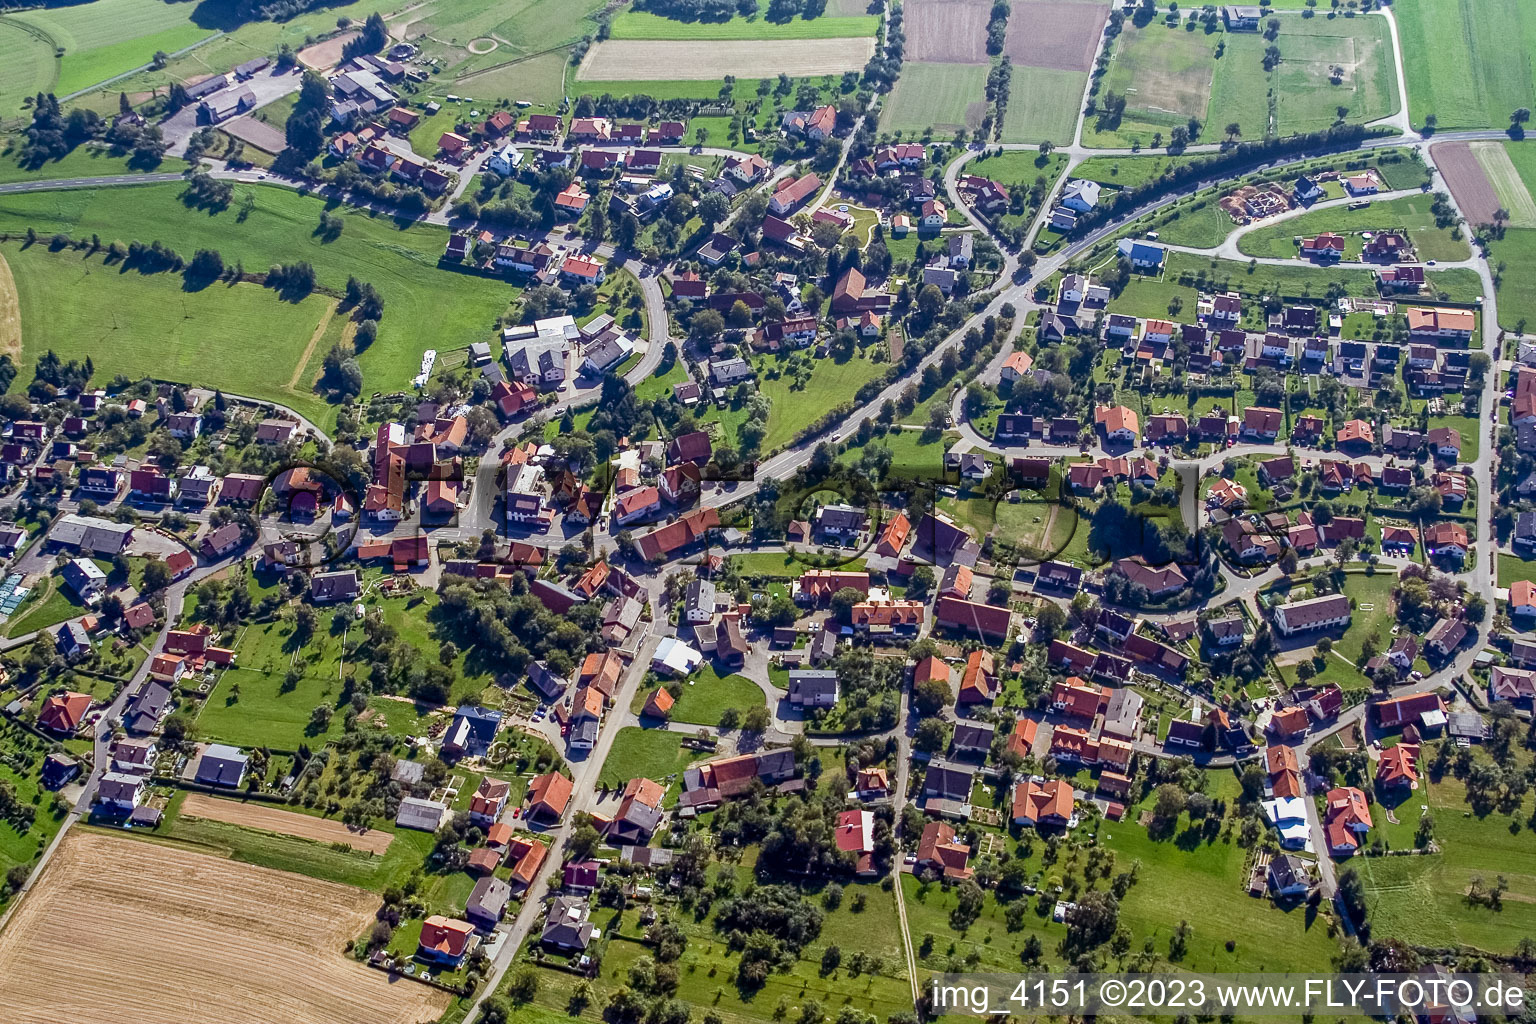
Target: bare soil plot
column 947, row 31
column 327, row 54
column 1507, row 183
column 250, row 814
column 258, row 133
column 653, row 60
column 1061, row 34
column 150, row 933
column 851, row 8
column 1468, row 181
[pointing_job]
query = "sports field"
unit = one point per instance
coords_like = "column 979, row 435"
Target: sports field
column 943, row 97
column 1043, row 104
column 645, row 59
column 1170, row 75
column 1468, row 62
column 246, row 945
column 424, row 307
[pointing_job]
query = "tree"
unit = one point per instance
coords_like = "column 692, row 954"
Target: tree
column 713, row 208
column 157, row 576
column 1234, row 130
column 523, row 986
column 1093, row 923
column 932, row 735
column 929, row 696
column 706, row 325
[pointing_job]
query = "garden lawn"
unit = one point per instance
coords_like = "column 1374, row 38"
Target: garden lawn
column 1468, row 62
column 940, row 97
column 49, row 608
column 1420, row 899
column 424, row 307
column 706, row 695
column 832, row 383
column 268, row 712
column 1411, row 213
column 1372, row 595
column 646, row 753
column 1513, row 568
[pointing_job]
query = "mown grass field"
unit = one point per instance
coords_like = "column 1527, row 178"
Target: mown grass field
column 1169, row 75
column 1517, row 250
column 1043, row 104
column 1127, row 171
column 27, row 67
column 150, row 325
column 424, row 307
column 1411, row 213
column 1468, row 62
column 937, row 96
column 644, row 25
column 268, row 712
column 831, row 383
column 109, row 37
column 301, row 856
column 1421, row 899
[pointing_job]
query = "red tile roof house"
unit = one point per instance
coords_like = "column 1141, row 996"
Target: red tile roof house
column 63, row 713
column 445, row 940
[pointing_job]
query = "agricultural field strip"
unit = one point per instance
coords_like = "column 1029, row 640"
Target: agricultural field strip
column 254, row 945
column 289, row 823
column 638, row 60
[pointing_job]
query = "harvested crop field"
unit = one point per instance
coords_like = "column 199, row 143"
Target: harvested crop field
column 1508, row 184
column 267, row 818
column 1468, row 181
column 655, row 60
column 947, row 31
column 153, row 933
column 1060, row 34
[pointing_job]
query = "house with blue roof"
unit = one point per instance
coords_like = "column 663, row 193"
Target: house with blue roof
column 472, row 731
column 1143, row 255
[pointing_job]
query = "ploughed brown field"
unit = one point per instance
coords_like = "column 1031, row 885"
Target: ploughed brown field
column 1061, row 34
column 1469, row 184
column 946, row 31
column 251, row 814
column 119, row 931
column 660, row 60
